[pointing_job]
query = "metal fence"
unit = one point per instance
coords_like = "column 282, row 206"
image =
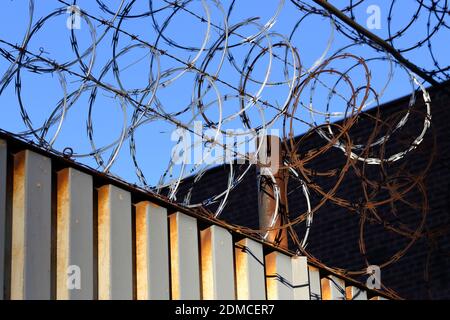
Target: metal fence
column 69, row 232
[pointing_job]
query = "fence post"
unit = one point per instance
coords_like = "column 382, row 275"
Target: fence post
column 354, row 293
column 74, row 242
column 152, row 252
column 184, row 257
column 314, row 283
column 217, row 264
column 269, row 159
column 31, row 227
column 300, row 278
column 279, row 276
column 333, row 288
column 249, row 260
column 115, row 270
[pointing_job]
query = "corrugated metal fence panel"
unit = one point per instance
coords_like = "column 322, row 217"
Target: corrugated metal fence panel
column 115, row 264
column 3, row 156
column 152, row 252
column 300, row 278
column 354, row 293
column 94, row 257
column 279, row 277
column 31, row 227
column 75, row 240
column 217, row 264
column 184, row 256
column 333, row 288
column 250, row 270
column 315, row 290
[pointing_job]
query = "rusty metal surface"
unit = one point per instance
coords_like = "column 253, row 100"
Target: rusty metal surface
column 333, row 288
column 142, row 260
column 315, row 289
column 272, row 192
column 185, row 269
column 115, row 270
column 354, row 293
column 75, row 249
column 216, row 249
column 250, row 275
column 31, row 227
column 279, row 278
column 152, row 252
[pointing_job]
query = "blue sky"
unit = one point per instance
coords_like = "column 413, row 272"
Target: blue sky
column 40, row 93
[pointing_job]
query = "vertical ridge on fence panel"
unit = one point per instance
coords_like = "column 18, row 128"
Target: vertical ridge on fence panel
column 31, row 227
column 333, row 288
column 3, row 156
column 152, row 252
column 217, row 264
column 314, row 283
column 300, row 278
column 279, row 276
column 250, row 270
column 115, row 270
column 184, row 257
column 74, row 239
column 355, row 293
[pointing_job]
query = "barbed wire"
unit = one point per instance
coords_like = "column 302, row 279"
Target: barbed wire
column 232, row 72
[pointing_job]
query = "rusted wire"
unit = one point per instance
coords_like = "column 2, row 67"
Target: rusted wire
column 379, row 170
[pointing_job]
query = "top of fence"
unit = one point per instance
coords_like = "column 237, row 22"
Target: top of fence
column 16, row 144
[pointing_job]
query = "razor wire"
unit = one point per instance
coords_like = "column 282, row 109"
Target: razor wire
column 327, row 98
